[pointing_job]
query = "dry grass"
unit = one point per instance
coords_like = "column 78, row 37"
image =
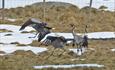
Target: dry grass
column 60, row 17
column 4, row 30
column 102, row 54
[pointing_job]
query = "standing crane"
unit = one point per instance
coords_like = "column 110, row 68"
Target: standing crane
column 80, row 42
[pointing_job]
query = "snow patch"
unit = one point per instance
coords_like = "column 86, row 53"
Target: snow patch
column 113, row 50
column 8, row 49
column 14, row 28
column 78, row 51
column 101, row 35
column 68, row 66
column 22, row 38
column 93, row 35
column 16, row 37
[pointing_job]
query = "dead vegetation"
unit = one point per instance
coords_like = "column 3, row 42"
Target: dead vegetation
column 4, row 30
column 100, row 54
column 60, row 16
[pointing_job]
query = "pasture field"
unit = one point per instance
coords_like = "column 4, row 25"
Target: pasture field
column 98, row 52
column 60, row 15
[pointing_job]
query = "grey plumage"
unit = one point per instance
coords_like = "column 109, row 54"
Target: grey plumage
column 56, row 42
column 78, row 40
column 36, row 24
column 40, row 27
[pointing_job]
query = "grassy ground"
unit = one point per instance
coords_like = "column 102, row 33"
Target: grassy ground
column 102, row 54
column 60, row 16
column 4, row 30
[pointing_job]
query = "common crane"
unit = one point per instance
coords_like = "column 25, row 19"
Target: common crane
column 56, row 42
column 78, row 40
column 40, row 27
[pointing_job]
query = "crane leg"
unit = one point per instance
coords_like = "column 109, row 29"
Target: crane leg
column 62, row 52
column 50, row 54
